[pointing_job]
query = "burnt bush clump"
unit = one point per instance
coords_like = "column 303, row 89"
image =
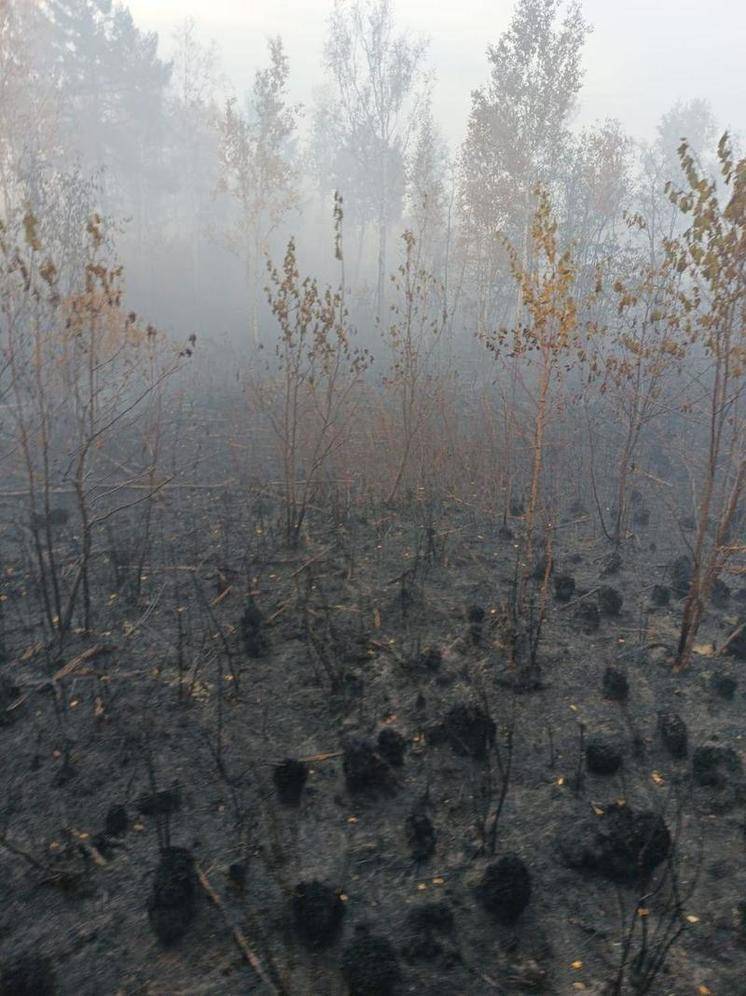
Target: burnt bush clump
column 290, row 777
column 602, row 757
column 673, row 733
column 255, row 640
column 431, row 659
column 431, row 916
column 370, row 965
column 660, row 595
column 392, row 746
column 166, row 802
column 237, row 874
column 610, row 601
column 724, row 685
column 737, row 643
column 613, row 565
column 318, row 912
column 720, row 594
column 8, row 695
column 172, row 903
column 623, row 844
column 615, row 685
column 424, row 928
column 717, row 773
column 505, row 889
column 57, row 518
column 564, row 587
column 421, row 836
column 588, row 617
column 540, row 568
column 364, row 769
column 469, row 730
column 475, row 615
column 116, row 822
column 680, row 572
column 28, row 975
column 715, row 766
column 517, row 507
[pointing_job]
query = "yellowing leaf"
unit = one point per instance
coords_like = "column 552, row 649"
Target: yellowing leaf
column 576, row 964
column 704, row 649
column 657, row 777
column 692, row 919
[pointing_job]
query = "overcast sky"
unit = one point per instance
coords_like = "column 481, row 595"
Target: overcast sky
column 642, row 56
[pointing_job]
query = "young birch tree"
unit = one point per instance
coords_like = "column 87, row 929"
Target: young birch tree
column 551, row 339
column 636, row 359
column 711, row 257
column 516, row 131
column 193, row 110
column 256, row 169
column 312, row 403
column 376, row 73
column 79, row 369
column 413, row 339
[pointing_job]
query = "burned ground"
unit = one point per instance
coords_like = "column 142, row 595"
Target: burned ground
column 269, row 735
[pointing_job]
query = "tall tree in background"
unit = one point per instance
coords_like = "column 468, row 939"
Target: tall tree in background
column 428, row 194
column 340, row 161
column 29, row 100
column 376, row 72
column 40, row 170
column 256, row 167
column 694, row 121
column 516, row 131
column 193, row 110
column 113, row 109
column 598, row 189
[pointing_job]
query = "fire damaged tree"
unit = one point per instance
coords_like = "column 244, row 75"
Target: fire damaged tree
column 516, row 133
column 413, row 339
column 551, row 340
column 80, row 370
column 312, row 403
column 638, row 357
column 376, row 73
column 256, row 169
column 711, row 258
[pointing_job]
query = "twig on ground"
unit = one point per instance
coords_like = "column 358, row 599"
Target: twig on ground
column 237, row 934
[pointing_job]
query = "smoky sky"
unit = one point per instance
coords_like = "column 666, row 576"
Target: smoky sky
column 642, row 56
